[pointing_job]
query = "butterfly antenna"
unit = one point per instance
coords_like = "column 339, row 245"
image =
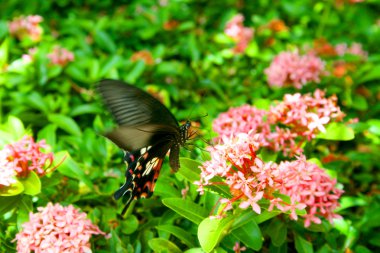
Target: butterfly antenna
column 191, row 144
column 195, row 133
column 200, row 117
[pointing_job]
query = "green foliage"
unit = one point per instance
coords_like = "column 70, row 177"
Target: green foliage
column 190, row 63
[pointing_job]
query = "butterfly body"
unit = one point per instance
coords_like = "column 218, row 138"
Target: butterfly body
column 146, row 131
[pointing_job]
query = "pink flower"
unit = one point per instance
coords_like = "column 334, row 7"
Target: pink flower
column 310, row 187
column 290, row 68
column 240, row 120
column 25, row 156
column 7, row 172
column 239, row 249
column 249, row 179
column 241, row 35
column 306, row 115
column 55, row 228
column 26, row 27
column 285, row 126
column 354, row 49
column 61, row 56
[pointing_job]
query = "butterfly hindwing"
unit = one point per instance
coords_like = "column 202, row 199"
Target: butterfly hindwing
column 143, row 167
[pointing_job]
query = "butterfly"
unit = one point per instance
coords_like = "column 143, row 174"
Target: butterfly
column 146, row 131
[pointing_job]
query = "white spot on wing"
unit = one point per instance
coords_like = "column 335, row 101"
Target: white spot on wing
column 150, row 165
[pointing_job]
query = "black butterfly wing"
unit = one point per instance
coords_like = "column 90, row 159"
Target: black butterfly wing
column 142, row 172
column 134, row 138
column 142, row 119
column 132, row 106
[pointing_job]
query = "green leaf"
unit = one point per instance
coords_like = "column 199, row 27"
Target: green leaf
column 12, row 190
column 262, row 103
column 70, row 168
column 105, row 41
column 85, row 109
column 249, row 234
column 277, row 232
column 135, row 72
column 359, row 103
column 189, row 169
column 165, row 188
column 76, row 73
column 41, row 68
column 266, row 215
column 4, row 52
column 212, row 231
column 35, row 100
column 347, row 202
column 111, row 63
column 116, row 243
column 345, row 227
column 187, row 209
column 373, row 74
column 178, row 232
column 24, row 208
column 194, row 250
column 32, row 184
column 16, row 126
column 162, row 245
column 65, row 123
column 337, row 132
column 8, row 203
column 129, row 225
column 48, row 133
column 374, row 126
column 302, row 245
column 253, row 49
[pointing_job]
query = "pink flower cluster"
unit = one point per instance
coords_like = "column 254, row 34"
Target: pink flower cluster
column 286, row 125
column 55, row 228
column 306, row 114
column 354, row 49
column 251, row 180
column 25, row 156
column 240, row 120
column 293, row 69
column 61, row 56
column 7, row 172
column 241, row 35
column 26, row 27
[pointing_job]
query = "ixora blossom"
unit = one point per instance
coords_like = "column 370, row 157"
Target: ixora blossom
column 7, row 172
column 306, row 114
column 241, row 35
column 56, row 228
column 250, row 180
column 26, row 155
column 60, row 56
column 26, row 27
column 354, row 49
column 293, row 69
column 286, row 126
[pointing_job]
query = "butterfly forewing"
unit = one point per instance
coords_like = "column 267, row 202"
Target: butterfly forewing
column 132, row 106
